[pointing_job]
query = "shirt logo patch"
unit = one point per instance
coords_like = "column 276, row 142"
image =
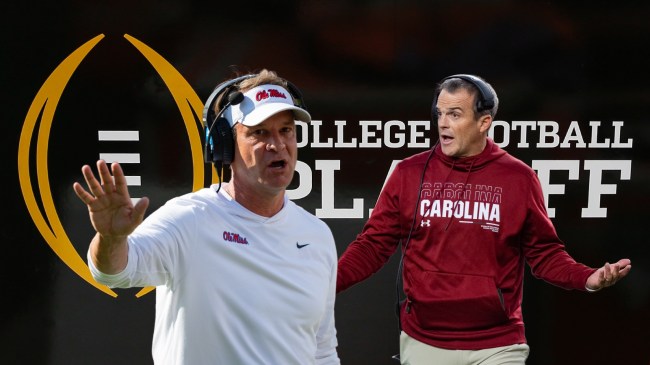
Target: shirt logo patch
column 301, row 246
column 235, row 238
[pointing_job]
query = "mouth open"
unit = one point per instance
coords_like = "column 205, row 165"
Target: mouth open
column 278, row 164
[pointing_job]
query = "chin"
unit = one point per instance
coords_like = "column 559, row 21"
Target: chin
column 277, row 183
column 449, row 152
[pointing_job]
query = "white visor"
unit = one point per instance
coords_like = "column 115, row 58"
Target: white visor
column 262, row 102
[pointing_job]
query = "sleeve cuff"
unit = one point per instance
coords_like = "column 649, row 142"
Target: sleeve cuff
column 110, row 280
column 591, row 290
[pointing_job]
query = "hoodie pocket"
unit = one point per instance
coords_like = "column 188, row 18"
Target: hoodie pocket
column 443, row 301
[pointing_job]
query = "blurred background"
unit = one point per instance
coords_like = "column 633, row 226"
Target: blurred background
column 353, row 61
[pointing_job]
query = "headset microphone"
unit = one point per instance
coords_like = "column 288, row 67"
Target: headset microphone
column 235, row 98
column 219, row 148
column 219, row 144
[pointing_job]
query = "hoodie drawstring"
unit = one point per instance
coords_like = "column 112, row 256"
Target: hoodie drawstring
column 453, row 209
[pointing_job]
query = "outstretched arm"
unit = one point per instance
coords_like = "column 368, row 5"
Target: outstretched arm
column 608, row 275
column 112, row 214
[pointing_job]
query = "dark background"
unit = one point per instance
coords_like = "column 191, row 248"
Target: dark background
column 363, row 60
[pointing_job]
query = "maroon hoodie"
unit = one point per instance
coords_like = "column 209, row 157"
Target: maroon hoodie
column 479, row 220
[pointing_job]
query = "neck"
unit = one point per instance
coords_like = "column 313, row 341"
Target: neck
column 265, row 205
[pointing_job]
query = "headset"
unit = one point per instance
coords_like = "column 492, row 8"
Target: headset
column 219, row 148
column 485, row 101
column 219, row 142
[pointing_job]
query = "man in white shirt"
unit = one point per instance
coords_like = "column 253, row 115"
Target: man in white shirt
column 242, row 274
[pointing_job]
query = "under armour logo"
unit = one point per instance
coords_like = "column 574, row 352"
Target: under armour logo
column 425, row 223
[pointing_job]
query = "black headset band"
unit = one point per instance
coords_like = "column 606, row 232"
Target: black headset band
column 486, row 94
column 486, row 99
column 219, row 138
column 208, row 108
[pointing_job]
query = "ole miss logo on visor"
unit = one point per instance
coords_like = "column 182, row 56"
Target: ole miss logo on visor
column 270, row 93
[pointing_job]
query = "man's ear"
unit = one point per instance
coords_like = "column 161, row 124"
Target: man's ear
column 485, row 122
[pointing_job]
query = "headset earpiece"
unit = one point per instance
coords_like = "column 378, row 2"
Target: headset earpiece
column 297, row 95
column 219, row 139
column 225, row 151
column 219, row 142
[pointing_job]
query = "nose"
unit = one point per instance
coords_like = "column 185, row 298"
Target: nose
column 275, row 146
column 442, row 121
column 276, row 143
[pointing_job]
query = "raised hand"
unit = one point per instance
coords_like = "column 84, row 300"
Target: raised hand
column 111, row 210
column 112, row 213
column 609, row 274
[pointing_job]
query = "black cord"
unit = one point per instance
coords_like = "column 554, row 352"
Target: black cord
column 218, row 165
column 408, row 239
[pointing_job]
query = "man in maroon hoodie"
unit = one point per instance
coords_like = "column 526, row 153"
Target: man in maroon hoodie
column 469, row 217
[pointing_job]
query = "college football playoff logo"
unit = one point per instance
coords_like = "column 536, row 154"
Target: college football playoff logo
column 39, row 120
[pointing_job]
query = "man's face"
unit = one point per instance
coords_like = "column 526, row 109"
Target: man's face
column 266, row 154
column 461, row 134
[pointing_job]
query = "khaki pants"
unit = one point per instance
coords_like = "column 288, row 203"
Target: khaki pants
column 414, row 352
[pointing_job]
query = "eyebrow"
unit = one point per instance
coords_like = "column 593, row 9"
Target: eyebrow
column 453, row 108
column 288, row 122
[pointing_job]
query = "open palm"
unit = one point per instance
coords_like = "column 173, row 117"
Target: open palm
column 112, row 213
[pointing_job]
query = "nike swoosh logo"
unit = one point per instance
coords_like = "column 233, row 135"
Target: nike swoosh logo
column 301, row 246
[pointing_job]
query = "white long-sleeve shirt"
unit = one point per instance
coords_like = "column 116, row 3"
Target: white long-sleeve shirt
column 233, row 287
